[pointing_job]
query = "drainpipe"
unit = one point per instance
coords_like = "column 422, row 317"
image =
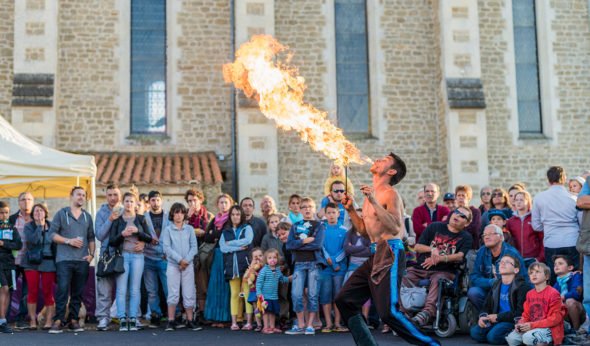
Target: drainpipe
column 234, row 159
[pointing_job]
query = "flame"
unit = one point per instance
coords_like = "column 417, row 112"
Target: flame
column 278, row 88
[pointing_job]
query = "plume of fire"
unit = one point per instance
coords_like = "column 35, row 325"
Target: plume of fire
column 279, row 88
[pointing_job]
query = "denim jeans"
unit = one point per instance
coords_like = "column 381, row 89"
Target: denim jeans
column 329, row 287
column 586, row 301
column 303, row 271
column 570, row 251
column 154, row 270
column 71, row 276
column 495, row 335
column 477, row 296
column 133, row 263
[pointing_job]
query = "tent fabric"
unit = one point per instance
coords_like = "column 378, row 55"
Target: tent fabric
column 45, row 172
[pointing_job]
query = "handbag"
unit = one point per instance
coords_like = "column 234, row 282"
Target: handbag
column 205, row 255
column 110, row 263
column 413, row 297
column 35, row 255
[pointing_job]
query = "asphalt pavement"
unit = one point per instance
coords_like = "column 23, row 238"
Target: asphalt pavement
column 207, row 336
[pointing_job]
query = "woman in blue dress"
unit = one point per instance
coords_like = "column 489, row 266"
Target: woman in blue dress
column 217, row 307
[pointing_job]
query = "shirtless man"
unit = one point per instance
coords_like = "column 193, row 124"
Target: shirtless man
column 379, row 277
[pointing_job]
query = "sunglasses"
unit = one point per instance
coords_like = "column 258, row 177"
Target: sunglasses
column 461, row 214
column 497, row 195
column 486, row 193
column 339, row 191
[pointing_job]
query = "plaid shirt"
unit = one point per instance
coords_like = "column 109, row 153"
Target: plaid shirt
column 20, row 226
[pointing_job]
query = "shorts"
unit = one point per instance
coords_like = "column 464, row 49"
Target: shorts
column 7, row 278
column 273, row 306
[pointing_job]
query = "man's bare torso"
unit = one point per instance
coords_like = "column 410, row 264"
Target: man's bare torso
column 374, row 227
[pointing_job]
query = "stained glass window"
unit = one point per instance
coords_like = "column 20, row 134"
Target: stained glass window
column 352, row 74
column 148, row 66
column 527, row 66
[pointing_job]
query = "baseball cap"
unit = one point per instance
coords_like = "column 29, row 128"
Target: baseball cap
column 496, row 212
column 449, row 196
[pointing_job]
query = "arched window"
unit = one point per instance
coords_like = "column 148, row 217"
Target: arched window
column 527, row 66
column 352, row 69
column 148, row 66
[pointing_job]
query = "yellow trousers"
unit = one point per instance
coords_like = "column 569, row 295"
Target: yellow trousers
column 236, row 303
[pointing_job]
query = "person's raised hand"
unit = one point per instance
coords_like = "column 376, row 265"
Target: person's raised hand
column 75, row 242
column 348, row 202
column 369, row 192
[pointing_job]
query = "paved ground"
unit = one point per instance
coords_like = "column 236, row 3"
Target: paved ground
column 208, row 336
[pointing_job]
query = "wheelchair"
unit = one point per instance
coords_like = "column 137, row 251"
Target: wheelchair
column 454, row 311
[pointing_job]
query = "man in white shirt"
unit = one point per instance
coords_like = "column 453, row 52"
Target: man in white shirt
column 554, row 213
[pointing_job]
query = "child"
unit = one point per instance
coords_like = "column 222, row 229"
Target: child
column 333, row 275
column 498, row 218
column 337, row 173
column 267, row 287
column 286, row 268
column 180, row 246
column 235, row 243
column 249, row 286
column 569, row 285
column 294, row 210
column 271, row 239
column 542, row 318
column 9, row 241
column 305, row 241
column 503, row 303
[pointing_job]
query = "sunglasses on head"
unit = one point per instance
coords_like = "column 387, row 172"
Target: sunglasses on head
column 497, row 195
column 339, row 191
column 461, row 214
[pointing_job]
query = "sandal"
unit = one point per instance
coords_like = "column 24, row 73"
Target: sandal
column 258, row 328
column 247, row 326
column 267, row 331
column 327, row 329
column 234, row 327
column 422, row 318
column 385, row 329
column 277, row 330
column 340, row 329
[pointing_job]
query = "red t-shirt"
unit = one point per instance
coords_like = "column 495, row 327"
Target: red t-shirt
column 539, row 303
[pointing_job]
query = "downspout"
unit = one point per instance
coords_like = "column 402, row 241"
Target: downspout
column 234, row 152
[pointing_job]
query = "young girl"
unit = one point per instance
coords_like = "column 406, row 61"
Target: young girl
column 271, row 239
column 235, row 243
column 267, row 288
column 180, row 246
column 337, row 173
column 294, row 211
column 249, row 286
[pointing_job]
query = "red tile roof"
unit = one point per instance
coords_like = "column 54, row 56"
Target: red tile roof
column 156, row 169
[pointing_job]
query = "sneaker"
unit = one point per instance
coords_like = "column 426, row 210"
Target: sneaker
column 4, row 328
column 20, row 325
column 193, row 325
column 170, row 326
column 139, row 325
column 75, row 327
column 154, row 322
column 133, row 325
column 56, row 328
column 295, row 330
column 103, row 325
column 310, row 331
column 123, row 325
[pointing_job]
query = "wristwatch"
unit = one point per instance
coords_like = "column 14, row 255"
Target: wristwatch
column 67, row 241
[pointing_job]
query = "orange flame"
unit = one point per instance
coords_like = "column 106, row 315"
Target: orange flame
column 279, row 91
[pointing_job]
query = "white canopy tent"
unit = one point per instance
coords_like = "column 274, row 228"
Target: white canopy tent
column 44, row 172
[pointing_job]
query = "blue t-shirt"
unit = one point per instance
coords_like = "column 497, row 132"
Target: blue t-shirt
column 504, row 299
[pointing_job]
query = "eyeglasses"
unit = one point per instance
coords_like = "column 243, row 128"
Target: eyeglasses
column 306, row 207
column 339, row 191
column 507, row 263
column 486, row 193
column 461, row 214
column 497, row 195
